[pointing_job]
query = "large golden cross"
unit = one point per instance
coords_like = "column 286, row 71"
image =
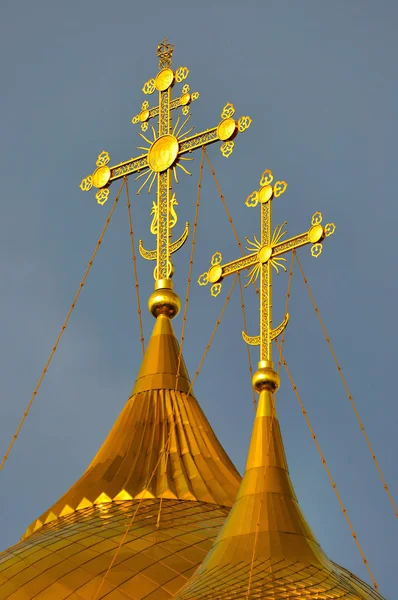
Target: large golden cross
column 164, row 153
column 265, row 255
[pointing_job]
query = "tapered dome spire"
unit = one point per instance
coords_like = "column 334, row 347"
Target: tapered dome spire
column 266, row 548
column 173, row 498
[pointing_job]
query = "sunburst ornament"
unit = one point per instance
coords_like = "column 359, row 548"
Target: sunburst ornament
column 264, row 255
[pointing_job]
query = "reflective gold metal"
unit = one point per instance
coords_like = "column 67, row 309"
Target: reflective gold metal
column 175, row 501
column 132, row 480
column 166, row 150
column 226, row 129
column 266, row 549
column 316, row 233
column 265, row 255
column 164, row 301
column 215, row 273
column 164, row 79
column 162, row 153
column 101, row 177
column 144, row 115
column 185, row 99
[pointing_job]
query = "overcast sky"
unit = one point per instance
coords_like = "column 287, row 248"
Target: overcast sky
column 319, row 80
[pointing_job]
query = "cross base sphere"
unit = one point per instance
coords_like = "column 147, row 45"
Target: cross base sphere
column 164, row 301
column 266, row 378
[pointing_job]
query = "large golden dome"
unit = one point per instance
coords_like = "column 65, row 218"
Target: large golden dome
column 170, row 505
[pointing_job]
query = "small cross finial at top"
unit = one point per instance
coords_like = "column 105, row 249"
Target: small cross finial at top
column 164, row 52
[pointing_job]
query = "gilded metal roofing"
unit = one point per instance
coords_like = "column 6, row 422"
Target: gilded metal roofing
column 132, row 462
column 266, row 549
column 68, row 557
column 183, row 495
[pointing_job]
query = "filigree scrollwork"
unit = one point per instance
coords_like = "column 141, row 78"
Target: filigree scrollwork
column 168, row 272
column 279, row 188
column 145, row 105
column 227, row 148
column 203, row 279
column 252, row 200
column 185, row 88
column 86, row 184
column 135, row 119
column 228, row 111
column 215, row 289
column 216, row 259
column 195, row 96
column 266, row 178
column 144, row 126
column 244, row 123
column 252, row 340
column 316, row 218
column 149, row 86
column 102, row 159
column 181, row 74
column 316, row 250
column 185, row 110
column 102, row 196
column 330, row 228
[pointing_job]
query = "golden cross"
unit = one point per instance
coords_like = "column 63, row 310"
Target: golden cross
column 265, row 255
column 164, row 153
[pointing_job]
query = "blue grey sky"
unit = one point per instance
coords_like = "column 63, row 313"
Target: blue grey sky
column 319, row 80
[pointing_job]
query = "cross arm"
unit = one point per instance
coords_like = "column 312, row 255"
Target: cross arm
column 315, row 235
column 225, row 131
column 146, row 114
column 218, row 272
column 103, row 175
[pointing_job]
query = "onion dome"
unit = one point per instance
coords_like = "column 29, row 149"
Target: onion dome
column 266, row 548
column 165, row 506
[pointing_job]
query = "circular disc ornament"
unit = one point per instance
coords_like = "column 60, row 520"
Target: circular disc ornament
column 185, row 98
column 265, row 194
column 101, row 176
column 164, row 79
column 315, row 234
column 264, row 254
column 163, row 153
column 144, row 114
column 215, row 274
column 226, row 129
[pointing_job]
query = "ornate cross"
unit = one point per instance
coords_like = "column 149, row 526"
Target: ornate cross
column 265, row 255
column 165, row 151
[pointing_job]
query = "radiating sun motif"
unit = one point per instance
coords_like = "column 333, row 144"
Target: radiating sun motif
column 264, row 254
column 163, row 153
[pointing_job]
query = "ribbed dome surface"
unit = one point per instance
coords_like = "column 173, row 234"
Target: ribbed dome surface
column 266, row 549
column 175, row 499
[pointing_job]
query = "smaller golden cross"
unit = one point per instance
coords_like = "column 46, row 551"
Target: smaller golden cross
column 265, row 255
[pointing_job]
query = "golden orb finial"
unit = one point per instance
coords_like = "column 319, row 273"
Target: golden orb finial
column 266, row 378
column 164, row 301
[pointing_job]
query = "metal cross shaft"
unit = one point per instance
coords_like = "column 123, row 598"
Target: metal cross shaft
column 164, row 153
column 265, row 255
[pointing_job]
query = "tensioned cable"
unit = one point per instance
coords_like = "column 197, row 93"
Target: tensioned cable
column 271, row 425
column 332, row 482
column 184, row 318
column 166, row 445
column 242, row 303
column 167, row 442
column 134, row 259
column 72, row 306
column 349, row 395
